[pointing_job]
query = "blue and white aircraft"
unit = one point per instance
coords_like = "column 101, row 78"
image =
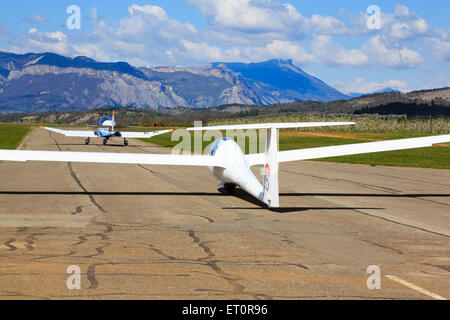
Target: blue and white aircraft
column 228, row 163
column 106, row 131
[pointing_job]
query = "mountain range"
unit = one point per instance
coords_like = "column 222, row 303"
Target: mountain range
column 36, row 82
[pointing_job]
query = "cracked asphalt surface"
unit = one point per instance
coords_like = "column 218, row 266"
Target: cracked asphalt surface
column 158, row 232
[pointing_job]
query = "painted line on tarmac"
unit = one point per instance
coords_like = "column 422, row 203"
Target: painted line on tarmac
column 416, row 288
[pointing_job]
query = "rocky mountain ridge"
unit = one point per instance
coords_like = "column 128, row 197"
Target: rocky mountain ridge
column 38, row 82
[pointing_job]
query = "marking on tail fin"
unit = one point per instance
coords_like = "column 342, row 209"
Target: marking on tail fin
column 270, row 186
column 267, row 169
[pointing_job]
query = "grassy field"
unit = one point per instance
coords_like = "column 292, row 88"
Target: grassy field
column 435, row 157
column 11, row 135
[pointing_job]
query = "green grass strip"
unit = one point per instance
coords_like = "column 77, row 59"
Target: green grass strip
column 11, row 135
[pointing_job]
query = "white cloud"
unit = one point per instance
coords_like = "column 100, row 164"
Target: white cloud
column 203, row 50
column 444, row 33
column 404, row 24
column 331, row 53
column 38, row 41
column 148, row 10
column 439, row 46
column 58, row 35
column 277, row 49
column 57, row 42
column 252, row 16
column 148, row 36
column 359, row 85
column 288, row 49
column 246, row 30
column 401, row 11
column 400, row 57
column 373, row 53
column 328, row 25
column 440, row 49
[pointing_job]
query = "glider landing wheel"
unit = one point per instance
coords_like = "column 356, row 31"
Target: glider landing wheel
column 125, row 142
column 230, row 187
column 105, row 141
column 87, row 141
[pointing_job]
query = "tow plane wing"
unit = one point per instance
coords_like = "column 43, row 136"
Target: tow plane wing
column 143, row 134
column 93, row 134
column 74, row 133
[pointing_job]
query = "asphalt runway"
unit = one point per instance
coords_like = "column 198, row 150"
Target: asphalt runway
column 158, row 232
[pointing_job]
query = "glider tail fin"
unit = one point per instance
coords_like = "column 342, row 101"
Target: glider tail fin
column 112, row 129
column 270, row 195
column 270, row 185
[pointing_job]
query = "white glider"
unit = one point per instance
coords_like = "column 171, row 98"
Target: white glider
column 106, row 131
column 228, row 163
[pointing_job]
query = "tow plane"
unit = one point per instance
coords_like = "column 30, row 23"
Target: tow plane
column 107, row 131
column 228, row 163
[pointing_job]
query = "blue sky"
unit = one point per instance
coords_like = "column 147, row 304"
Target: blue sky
column 329, row 39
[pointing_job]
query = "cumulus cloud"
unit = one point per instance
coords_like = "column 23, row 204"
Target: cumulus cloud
column 400, row 56
column 440, row 49
column 147, row 36
column 376, row 52
column 252, row 16
column 359, row 85
column 439, row 46
column 37, row 41
column 288, row 49
column 148, row 10
column 444, row 34
column 328, row 25
column 204, row 50
column 331, row 53
column 277, row 49
column 404, row 24
column 245, row 30
column 57, row 42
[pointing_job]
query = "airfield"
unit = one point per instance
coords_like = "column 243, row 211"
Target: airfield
column 160, row 232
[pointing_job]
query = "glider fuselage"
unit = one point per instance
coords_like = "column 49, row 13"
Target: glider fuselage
column 236, row 169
